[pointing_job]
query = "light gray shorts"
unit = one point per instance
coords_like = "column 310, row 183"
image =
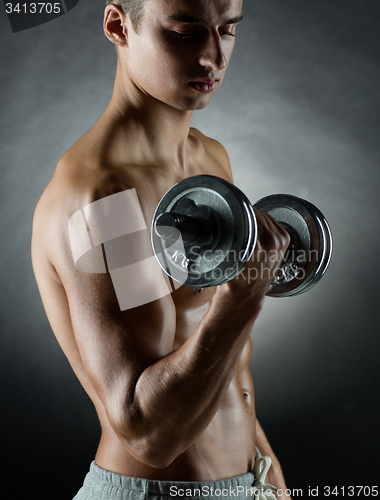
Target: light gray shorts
column 101, row 484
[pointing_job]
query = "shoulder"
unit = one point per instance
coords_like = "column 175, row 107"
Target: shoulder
column 79, row 180
column 215, row 151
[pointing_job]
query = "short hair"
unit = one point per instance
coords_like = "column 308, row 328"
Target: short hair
column 134, row 9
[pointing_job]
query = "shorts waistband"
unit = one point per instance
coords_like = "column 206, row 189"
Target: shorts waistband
column 171, row 488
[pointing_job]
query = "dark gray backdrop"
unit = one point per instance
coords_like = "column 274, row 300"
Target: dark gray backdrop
column 298, row 113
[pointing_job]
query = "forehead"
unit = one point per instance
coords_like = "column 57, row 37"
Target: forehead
column 209, row 10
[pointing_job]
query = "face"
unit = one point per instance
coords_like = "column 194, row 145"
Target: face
column 182, row 50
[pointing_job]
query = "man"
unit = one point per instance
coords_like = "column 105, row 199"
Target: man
column 169, row 378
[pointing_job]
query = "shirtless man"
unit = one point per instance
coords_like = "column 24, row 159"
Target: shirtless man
column 169, row 379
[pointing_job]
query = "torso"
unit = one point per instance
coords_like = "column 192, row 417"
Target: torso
column 226, row 447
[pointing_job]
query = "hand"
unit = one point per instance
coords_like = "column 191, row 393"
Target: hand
column 272, row 242
column 276, row 478
column 274, row 475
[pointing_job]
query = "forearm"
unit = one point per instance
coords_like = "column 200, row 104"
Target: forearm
column 178, row 395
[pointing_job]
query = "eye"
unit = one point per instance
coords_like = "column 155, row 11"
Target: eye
column 226, row 33
column 186, row 36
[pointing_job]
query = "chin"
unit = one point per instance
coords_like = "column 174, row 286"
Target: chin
column 199, row 107
column 194, row 104
column 202, row 105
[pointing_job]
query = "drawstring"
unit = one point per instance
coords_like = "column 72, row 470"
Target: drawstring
column 262, row 491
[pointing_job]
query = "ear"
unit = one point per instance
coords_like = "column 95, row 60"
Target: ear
column 114, row 25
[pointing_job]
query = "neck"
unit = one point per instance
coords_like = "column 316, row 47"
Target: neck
column 160, row 130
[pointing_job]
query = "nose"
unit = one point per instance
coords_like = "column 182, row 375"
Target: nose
column 213, row 55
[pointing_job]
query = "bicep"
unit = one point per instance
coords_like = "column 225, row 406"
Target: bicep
column 116, row 346
column 121, row 311
column 107, row 347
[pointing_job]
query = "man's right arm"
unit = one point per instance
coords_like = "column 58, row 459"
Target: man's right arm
column 149, row 390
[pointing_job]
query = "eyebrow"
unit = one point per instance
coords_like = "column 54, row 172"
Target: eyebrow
column 194, row 20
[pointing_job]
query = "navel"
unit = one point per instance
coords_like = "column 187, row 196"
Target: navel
column 246, row 396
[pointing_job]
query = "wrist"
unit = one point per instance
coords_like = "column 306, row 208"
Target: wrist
column 232, row 298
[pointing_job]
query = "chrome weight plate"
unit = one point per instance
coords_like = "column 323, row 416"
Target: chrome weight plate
column 196, row 261
column 310, row 251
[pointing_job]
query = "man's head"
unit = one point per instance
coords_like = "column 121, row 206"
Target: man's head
column 176, row 51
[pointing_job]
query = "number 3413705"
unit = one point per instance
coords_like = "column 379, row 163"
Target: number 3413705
column 33, row 8
column 350, row 491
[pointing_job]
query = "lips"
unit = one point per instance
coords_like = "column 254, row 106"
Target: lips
column 205, row 86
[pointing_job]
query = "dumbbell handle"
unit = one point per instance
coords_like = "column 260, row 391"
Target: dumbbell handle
column 190, row 228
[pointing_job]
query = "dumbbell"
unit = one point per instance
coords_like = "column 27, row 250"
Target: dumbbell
column 204, row 232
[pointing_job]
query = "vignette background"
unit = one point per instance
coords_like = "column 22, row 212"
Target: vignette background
column 298, row 112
